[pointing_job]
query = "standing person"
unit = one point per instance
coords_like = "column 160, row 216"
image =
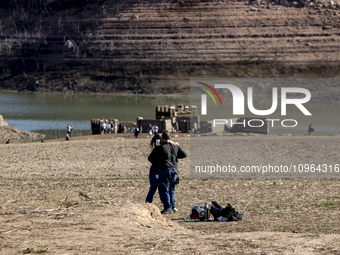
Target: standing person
column 310, row 129
column 156, row 129
column 167, row 157
column 136, row 132
column 195, row 128
column 141, row 129
column 225, row 128
column 68, row 130
column 153, row 172
column 103, row 126
column 176, row 127
column 115, row 127
column 108, row 128
column 154, row 169
column 71, row 130
column 150, row 130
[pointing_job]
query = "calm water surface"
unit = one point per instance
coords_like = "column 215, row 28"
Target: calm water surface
column 33, row 112
column 52, row 112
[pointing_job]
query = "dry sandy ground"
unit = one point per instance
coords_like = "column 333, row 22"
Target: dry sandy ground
column 41, row 208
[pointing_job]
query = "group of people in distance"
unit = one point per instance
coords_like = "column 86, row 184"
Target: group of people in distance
column 153, row 129
column 108, row 128
column 164, row 170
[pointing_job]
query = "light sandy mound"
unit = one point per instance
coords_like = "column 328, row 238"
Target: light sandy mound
column 8, row 132
column 145, row 215
column 150, row 213
column 3, row 122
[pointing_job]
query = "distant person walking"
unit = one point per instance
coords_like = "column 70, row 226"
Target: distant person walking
column 225, row 128
column 68, row 130
column 136, row 132
column 310, row 129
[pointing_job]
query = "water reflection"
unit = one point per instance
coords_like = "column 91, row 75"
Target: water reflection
column 32, row 112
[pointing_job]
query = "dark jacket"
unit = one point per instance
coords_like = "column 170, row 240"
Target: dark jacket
column 167, row 156
column 155, row 163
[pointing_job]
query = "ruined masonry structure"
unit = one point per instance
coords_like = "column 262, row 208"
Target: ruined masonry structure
column 167, row 115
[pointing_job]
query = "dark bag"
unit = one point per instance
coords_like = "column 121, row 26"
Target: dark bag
column 228, row 212
column 177, row 181
column 197, row 212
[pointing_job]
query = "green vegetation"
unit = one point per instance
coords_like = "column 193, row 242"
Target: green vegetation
column 66, row 203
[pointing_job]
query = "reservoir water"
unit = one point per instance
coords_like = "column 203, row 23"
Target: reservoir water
column 50, row 113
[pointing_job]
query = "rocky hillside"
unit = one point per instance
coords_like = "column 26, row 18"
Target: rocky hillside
column 155, row 46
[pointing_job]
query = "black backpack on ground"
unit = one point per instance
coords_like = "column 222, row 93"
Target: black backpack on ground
column 228, row 212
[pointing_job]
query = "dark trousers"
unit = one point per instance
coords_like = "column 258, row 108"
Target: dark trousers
column 166, row 187
column 153, row 178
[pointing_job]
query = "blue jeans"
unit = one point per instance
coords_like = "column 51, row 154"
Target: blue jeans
column 166, row 187
column 153, row 178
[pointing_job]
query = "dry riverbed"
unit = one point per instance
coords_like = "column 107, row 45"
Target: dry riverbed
column 86, row 196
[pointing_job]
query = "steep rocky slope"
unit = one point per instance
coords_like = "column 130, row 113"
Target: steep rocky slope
column 150, row 47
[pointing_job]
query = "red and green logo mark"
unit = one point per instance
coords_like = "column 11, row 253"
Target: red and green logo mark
column 209, row 93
